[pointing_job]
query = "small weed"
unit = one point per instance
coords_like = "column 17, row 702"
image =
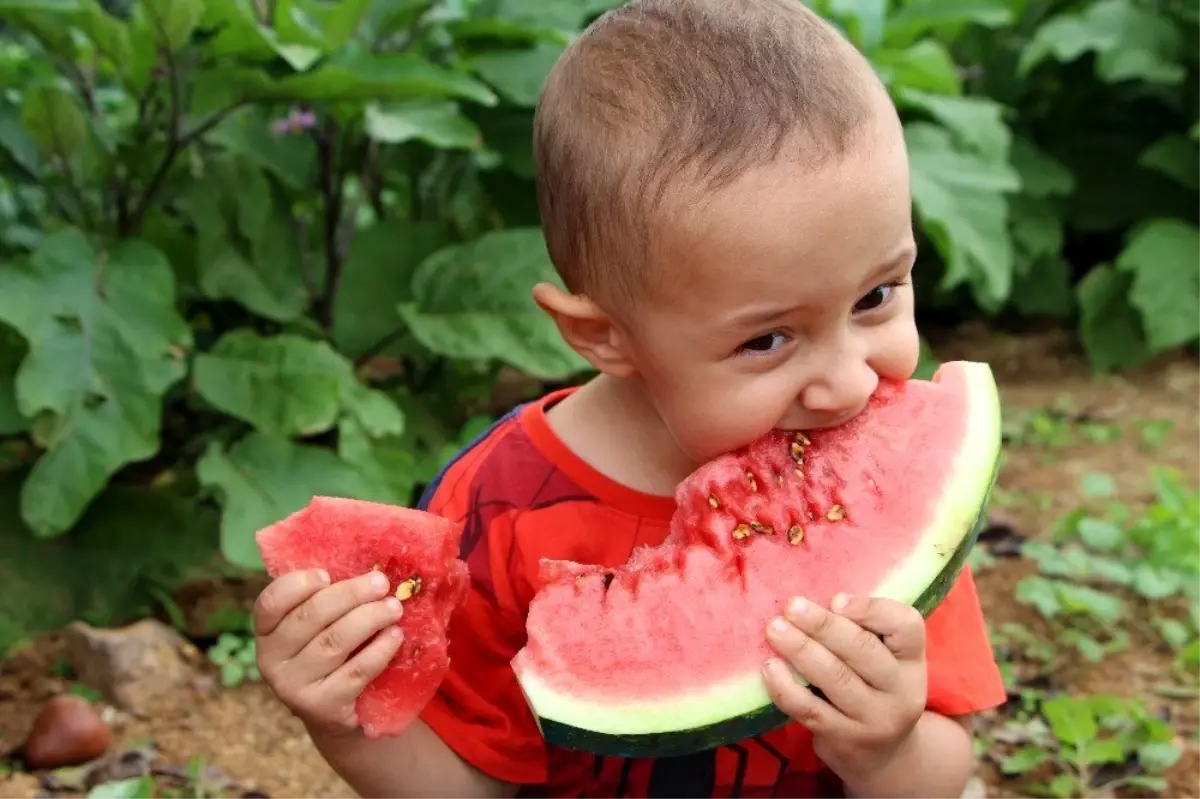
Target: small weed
column 1093, row 745
column 236, row 656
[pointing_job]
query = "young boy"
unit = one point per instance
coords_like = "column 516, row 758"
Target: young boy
column 725, row 193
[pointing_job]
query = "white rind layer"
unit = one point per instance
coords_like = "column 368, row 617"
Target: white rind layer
column 965, row 490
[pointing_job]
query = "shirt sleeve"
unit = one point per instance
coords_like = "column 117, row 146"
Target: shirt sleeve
column 963, row 675
column 480, row 711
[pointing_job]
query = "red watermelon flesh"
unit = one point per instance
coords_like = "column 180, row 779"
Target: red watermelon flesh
column 673, row 640
column 418, row 552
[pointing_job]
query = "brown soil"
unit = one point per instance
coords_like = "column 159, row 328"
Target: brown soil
column 253, row 740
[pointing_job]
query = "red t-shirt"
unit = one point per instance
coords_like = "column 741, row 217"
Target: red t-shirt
column 524, row 496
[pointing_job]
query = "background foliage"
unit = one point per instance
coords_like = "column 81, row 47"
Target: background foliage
column 256, row 250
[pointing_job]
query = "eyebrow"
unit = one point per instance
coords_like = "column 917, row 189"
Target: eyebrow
column 756, row 317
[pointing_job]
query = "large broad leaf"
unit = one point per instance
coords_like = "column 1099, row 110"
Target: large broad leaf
column 360, row 75
column 976, row 122
column 1131, row 41
column 915, row 18
column 1175, row 157
column 12, row 351
column 473, row 301
column 248, row 250
column 1162, row 255
column 518, row 74
column 376, row 277
column 438, row 123
column 389, row 466
column 132, row 546
column 961, row 200
column 249, row 133
column 262, row 479
column 287, row 386
column 925, row 66
column 1109, row 327
column 55, row 120
column 105, row 344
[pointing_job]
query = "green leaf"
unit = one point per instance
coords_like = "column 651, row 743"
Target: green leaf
column 1102, row 606
column 52, row 6
column 437, row 123
column 518, row 74
column 1110, row 329
column 1159, row 755
column 130, row 788
column 171, row 21
column 388, row 465
column 105, row 344
column 472, row 301
column 359, row 75
column 247, row 249
column 925, row 66
column 248, row 134
column 12, row 351
column 1024, row 759
column 1042, row 176
column 976, row 122
column 960, row 199
column 15, row 139
column 865, row 19
column 1161, row 254
column 1097, row 484
column 284, row 385
column 261, row 479
column 54, row 119
column 376, row 277
column 1100, row 534
column 1131, row 41
column 1071, row 720
column 1175, row 157
column 130, row 544
column 915, row 18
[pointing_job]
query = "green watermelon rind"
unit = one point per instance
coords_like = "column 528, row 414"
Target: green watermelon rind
column 741, row 708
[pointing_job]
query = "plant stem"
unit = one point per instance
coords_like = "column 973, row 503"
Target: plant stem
column 331, row 193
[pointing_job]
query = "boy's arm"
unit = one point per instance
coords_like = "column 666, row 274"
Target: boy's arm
column 937, row 761
column 415, row 764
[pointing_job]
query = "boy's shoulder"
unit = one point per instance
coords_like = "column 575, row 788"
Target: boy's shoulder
column 523, row 495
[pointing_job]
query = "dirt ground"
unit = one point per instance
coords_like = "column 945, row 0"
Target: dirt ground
column 244, row 734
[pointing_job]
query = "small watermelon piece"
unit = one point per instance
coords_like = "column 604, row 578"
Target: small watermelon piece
column 418, row 552
column 662, row 656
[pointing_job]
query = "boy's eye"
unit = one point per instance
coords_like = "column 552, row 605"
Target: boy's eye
column 764, row 344
column 875, row 297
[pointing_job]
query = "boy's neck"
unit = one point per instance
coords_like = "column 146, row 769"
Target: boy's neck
column 611, row 424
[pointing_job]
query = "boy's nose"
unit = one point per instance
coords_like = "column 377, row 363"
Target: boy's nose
column 839, row 395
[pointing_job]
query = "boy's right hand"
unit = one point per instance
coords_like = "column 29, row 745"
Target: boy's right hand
column 306, row 631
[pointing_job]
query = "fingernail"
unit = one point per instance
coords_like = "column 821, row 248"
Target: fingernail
column 779, row 626
column 839, row 603
column 797, row 606
column 323, row 576
column 379, row 582
column 393, row 605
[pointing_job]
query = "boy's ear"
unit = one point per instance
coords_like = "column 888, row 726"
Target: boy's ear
column 587, row 328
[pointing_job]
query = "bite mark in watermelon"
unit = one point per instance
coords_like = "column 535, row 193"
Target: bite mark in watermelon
column 418, row 552
column 663, row 656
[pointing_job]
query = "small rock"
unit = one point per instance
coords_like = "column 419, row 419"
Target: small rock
column 131, row 665
column 66, row 732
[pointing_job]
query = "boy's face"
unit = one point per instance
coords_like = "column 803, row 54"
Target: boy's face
column 785, row 300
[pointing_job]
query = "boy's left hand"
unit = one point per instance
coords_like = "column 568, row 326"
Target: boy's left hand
column 867, row 656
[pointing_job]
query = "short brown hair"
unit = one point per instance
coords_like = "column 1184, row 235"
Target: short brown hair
column 659, row 90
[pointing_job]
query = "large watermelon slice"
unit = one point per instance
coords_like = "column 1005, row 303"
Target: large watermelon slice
column 418, row 552
column 663, row 656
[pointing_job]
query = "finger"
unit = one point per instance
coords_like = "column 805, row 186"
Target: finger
column 338, row 642
column 797, row 701
column 860, row 649
column 307, row 621
column 348, row 681
column 822, row 669
column 283, row 595
column 901, row 627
